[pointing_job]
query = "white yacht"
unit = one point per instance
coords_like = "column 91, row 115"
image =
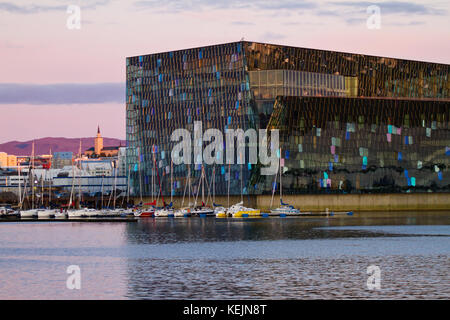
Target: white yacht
column 45, row 213
column 8, row 213
column 285, row 210
column 60, row 214
column 31, row 213
column 183, row 212
column 165, row 212
column 239, row 211
column 76, row 213
column 203, row 211
column 220, row 212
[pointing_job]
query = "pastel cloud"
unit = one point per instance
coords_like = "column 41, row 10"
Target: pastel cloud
column 61, row 93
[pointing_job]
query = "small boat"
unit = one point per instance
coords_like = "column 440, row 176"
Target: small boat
column 203, row 211
column 45, row 213
column 76, row 213
column 285, row 210
column 109, row 213
column 31, row 213
column 165, row 212
column 239, row 211
column 126, row 212
column 90, row 213
column 61, row 215
column 183, row 212
column 6, row 212
column 145, row 213
column 220, row 212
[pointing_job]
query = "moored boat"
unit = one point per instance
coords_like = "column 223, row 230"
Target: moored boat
column 31, row 213
column 239, row 211
column 220, row 212
column 45, row 213
column 285, row 210
column 203, row 211
column 164, row 212
column 183, row 212
column 6, row 212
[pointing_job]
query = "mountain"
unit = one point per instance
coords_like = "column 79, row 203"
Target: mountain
column 43, row 145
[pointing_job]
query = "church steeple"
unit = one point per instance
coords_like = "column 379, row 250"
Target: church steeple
column 98, row 146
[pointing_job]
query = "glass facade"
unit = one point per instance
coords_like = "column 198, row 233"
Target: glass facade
column 342, row 145
column 322, row 101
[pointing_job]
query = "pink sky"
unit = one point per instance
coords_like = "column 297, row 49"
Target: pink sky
column 36, row 47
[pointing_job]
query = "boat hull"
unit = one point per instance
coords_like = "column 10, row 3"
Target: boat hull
column 247, row 213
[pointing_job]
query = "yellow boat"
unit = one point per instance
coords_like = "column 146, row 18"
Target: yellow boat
column 221, row 215
column 247, row 213
column 239, row 211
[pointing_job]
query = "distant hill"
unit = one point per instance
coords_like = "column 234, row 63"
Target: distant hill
column 43, row 145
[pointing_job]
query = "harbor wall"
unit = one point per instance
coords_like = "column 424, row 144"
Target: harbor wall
column 346, row 202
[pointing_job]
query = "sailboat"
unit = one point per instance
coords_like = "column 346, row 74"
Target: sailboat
column 44, row 213
column 30, row 213
column 166, row 210
column 203, row 210
column 185, row 211
column 7, row 212
column 219, row 210
column 284, row 209
column 238, row 210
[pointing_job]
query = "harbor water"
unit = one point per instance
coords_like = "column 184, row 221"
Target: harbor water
column 211, row 258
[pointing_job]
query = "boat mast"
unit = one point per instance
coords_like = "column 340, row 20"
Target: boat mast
column 20, row 188
column 32, row 176
column 140, row 176
column 50, row 181
column 229, row 179
column 202, row 177
column 153, row 175
column 274, row 184
column 115, row 186
column 112, row 182
column 281, row 181
column 214, row 185
column 42, row 187
column 189, row 181
column 73, row 186
column 128, row 184
column 242, row 189
column 171, row 181
column 79, row 177
column 101, row 205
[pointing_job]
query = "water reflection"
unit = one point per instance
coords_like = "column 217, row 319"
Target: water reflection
column 275, row 258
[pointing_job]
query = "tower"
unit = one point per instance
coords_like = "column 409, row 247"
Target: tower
column 98, row 142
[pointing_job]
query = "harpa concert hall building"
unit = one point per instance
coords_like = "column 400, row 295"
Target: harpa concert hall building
column 348, row 123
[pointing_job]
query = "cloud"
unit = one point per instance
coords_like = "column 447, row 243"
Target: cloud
column 242, row 23
column 326, row 13
column 392, row 7
column 193, row 5
column 13, row 8
column 66, row 93
column 32, row 8
column 269, row 36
